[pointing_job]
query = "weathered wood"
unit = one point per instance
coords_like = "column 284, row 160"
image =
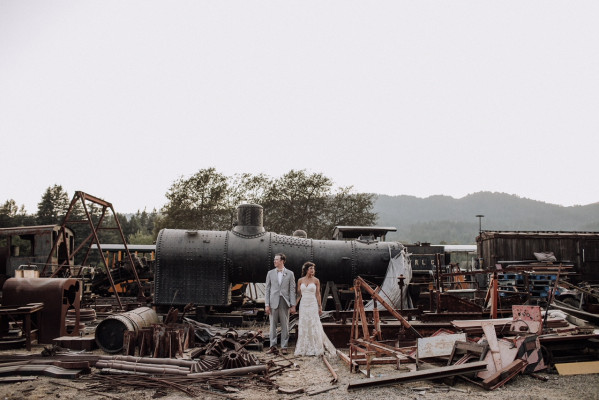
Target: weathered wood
column 578, row 368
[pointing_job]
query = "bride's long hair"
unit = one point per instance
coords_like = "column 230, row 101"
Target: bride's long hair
column 305, row 267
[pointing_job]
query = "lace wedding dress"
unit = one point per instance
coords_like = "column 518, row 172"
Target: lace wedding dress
column 311, row 339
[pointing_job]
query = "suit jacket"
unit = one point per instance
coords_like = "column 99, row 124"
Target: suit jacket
column 286, row 289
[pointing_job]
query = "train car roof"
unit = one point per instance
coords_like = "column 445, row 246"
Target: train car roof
column 120, row 247
column 29, row 230
column 460, row 247
column 343, row 228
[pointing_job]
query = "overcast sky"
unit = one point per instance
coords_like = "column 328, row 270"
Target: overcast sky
column 121, row 98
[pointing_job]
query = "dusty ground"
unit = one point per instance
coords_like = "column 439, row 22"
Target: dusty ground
column 310, row 373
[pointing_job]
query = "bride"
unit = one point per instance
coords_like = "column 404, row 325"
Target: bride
column 311, row 339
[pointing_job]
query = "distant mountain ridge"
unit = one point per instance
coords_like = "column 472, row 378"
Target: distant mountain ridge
column 444, row 219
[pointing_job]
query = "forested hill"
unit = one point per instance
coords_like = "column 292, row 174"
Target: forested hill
column 444, row 219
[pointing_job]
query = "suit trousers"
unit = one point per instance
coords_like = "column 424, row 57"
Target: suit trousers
column 279, row 315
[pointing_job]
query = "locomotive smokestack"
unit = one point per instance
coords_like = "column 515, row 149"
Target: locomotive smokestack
column 249, row 220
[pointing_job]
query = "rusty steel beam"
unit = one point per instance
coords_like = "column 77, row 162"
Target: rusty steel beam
column 433, row 373
column 93, row 237
column 144, row 368
column 254, row 369
column 328, row 364
column 360, row 283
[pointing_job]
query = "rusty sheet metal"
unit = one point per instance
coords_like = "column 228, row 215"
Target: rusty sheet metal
column 504, row 355
column 491, row 336
column 527, row 319
column 433, row 373
column 501, row 377
column 438, row 346
column 529, row 350
column 47, row 370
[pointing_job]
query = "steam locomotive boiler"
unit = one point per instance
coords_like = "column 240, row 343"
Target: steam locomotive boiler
column 195, row 266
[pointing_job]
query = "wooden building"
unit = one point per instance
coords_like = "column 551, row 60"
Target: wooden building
column 31, row 245
column 518, row 247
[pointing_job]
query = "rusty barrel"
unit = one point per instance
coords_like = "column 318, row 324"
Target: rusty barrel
column 110, row 332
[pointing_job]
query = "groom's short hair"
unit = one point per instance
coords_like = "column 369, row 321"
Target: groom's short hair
column 282, row 257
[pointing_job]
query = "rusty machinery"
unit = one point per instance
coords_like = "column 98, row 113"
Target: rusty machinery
column 59, row 295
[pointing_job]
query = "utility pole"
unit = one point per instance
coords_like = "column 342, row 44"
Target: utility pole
column 480, row 223
column 480, row 231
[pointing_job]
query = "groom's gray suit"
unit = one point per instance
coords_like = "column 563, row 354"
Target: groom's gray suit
column 280, row 297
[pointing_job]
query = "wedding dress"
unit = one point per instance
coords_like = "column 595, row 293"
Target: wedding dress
column 311, row 339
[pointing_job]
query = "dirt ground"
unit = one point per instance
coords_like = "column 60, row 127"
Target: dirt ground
column 311, row 374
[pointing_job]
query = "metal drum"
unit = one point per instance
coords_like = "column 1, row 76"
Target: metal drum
column 110, row 332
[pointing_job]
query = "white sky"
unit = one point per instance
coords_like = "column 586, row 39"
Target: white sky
column 120, row 98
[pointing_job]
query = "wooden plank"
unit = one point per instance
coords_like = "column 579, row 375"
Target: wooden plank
column 578, row 368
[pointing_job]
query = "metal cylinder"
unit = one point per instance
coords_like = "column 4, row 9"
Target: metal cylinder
column 110, row 332
column 249, row 220
column 199, row 266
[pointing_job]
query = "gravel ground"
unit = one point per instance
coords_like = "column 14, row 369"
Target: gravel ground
column 311, row 374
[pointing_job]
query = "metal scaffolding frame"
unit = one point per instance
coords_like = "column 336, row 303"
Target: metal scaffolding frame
column 92, row 238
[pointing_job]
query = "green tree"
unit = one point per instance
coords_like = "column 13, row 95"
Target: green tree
column 12, row 215
column 348, row 208
column 198, row 202
column 53, row 206
column 245, row 188
column 141, row 238
column 139, row 227
column 297, row 200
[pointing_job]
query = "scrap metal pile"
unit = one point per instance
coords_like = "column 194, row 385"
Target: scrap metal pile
column 485, row 352
column 222, row 364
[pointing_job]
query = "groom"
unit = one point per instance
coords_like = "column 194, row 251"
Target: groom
column 279, row 300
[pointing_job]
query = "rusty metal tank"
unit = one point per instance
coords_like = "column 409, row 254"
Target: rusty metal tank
column 59, row 295
column 110, row 332
column 196, row 266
